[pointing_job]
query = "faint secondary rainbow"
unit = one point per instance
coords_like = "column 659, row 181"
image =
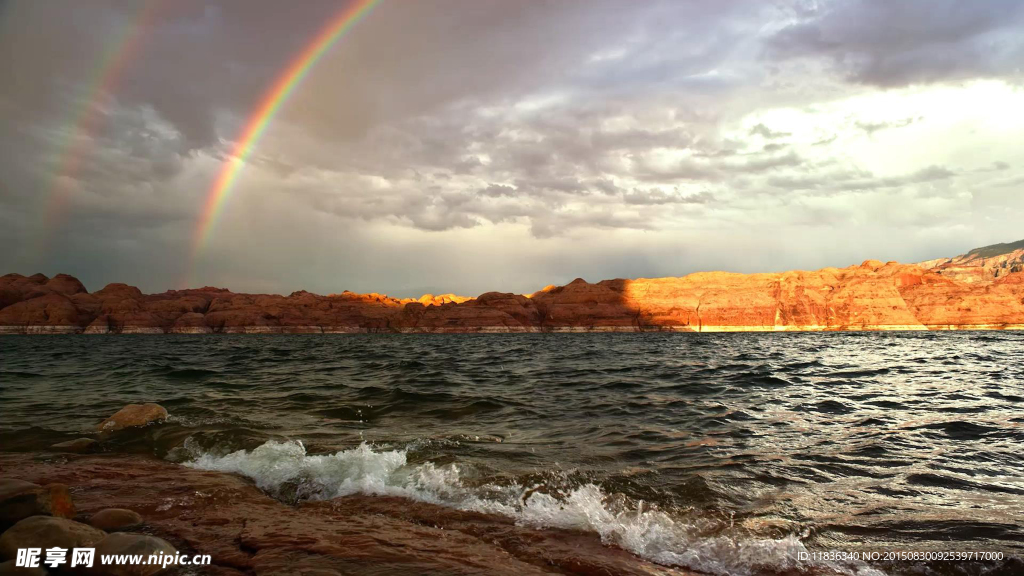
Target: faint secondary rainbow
column 268, row 107
column 86, row 116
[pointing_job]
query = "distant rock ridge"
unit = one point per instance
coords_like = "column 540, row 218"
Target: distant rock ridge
column 983, row 289
column 981, row 264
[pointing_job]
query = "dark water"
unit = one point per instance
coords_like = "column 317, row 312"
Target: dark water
column 727, row 453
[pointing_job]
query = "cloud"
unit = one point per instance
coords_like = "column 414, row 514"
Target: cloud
column 441, row 140
column 872, row 127
column 767, row 133
column 858, row 180
column 888, row 44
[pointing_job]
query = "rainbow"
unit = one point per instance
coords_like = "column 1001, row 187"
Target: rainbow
column 268, row 107
column 85, row 118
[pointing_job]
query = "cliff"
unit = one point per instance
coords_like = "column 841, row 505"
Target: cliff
column 983, row 289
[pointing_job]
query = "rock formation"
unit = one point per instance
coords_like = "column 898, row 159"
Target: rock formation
column 983, row 289
column 981, row 264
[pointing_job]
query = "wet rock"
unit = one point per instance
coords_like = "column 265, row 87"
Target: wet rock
column 134, row 544
column 19, row 500
column 133, row 415
column 247, row 532
column 78, row 445
column 47, row 532
column 115, row 519
column 10, row 569
column 11, row 486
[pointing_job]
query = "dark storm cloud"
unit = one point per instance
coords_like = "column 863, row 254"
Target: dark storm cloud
column 885, row 43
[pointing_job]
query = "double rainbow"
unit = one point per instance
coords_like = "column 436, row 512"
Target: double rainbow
column 269, row 105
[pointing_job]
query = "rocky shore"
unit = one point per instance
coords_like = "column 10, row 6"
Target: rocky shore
column 980, row 290
column 120, row 503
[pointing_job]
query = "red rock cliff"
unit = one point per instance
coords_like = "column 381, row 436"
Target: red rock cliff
column 983, row 289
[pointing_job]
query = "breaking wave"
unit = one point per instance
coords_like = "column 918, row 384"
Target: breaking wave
column 286, row 470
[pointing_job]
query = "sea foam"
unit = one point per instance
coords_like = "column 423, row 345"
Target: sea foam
column 279, row 467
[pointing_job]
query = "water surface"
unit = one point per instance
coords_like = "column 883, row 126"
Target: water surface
column 726, row 453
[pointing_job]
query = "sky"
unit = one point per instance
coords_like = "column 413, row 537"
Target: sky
column 474, row 145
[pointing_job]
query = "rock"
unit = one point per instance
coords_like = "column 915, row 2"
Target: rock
column 47, row 532
column 190, row 323
column 133, row 415
column 49, row 310
column 115, row 519
column 78, row 445
column 100, row 325
column 11, row 486
column 20, row 500
column 66, row 284
column 123, row 543
column 9, row 568
column 981, row 289
column 981, row 264
column 245, row 531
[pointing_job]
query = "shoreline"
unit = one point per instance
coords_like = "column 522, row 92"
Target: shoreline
column 43, row 330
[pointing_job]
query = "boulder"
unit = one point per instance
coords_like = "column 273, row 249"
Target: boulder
column 11, row 486
column 78, row 445
column 47, row 532
column 133, row 415
column 122, row 543
column 9, row 568
column 115, row 519
column 20, row 500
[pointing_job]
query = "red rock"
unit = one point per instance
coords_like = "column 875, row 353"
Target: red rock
column 65, row 284
column 981, row 289
column 48, row 532
column 20, row 500
column 114, row 519
column 52, row 312
column 78, row 445
column 121, row 544
column 246, row 531
column 133, row 415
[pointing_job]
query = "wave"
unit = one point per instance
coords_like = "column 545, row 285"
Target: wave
column 286, row 470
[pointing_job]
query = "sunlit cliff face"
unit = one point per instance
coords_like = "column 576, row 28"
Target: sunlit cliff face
column 593, row 139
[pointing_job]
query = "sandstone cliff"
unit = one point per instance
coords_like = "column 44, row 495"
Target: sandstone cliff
column 983, row 289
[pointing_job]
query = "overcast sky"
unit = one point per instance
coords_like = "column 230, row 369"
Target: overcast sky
column 474, row 145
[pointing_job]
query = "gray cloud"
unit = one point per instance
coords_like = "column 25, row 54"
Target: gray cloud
column 884, row 43
column 445, row 140
column 872, row 127
column 767, row 133
column 857, row 180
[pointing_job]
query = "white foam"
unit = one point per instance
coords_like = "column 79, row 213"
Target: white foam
column 649, row 533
